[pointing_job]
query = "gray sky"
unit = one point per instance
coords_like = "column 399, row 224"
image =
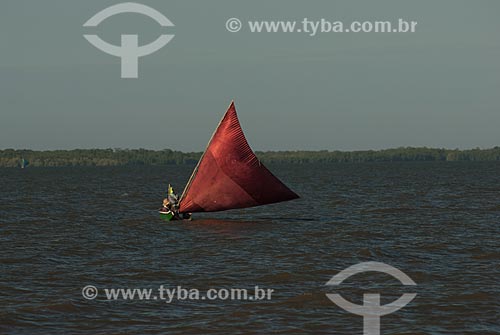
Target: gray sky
column 437, row 87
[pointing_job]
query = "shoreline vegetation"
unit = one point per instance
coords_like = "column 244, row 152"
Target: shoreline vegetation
column 120, row 157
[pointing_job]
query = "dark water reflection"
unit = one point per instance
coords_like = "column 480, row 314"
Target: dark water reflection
column 64, row 228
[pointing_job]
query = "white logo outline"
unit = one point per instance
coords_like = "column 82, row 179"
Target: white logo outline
column 129, row 51
column 371, row 310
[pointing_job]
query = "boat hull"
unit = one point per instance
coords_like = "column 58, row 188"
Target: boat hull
column 170, row 216
column 167, row 216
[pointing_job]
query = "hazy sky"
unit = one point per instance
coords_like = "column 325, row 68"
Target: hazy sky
column 438, row 87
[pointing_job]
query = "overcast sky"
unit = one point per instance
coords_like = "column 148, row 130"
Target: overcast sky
column 437, row 87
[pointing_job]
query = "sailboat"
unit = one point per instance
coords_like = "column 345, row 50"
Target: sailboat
column 24, row 163
column 228, row 176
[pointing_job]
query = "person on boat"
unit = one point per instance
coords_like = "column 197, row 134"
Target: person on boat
column 171, row 205
column 172, row 197
column 166, row 206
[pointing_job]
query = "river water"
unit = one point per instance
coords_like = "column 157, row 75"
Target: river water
column 62, row 229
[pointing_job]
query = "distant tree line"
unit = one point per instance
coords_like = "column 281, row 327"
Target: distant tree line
column 116, row 157
column 96, row 157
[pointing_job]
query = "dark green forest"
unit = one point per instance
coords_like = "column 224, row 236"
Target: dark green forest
column 115, row 157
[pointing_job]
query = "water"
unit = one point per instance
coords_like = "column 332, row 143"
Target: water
column 64, row 228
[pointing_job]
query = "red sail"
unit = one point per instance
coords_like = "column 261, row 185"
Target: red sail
column 229, row 175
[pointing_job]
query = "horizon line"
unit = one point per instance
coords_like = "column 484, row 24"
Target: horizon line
column 280, row 150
